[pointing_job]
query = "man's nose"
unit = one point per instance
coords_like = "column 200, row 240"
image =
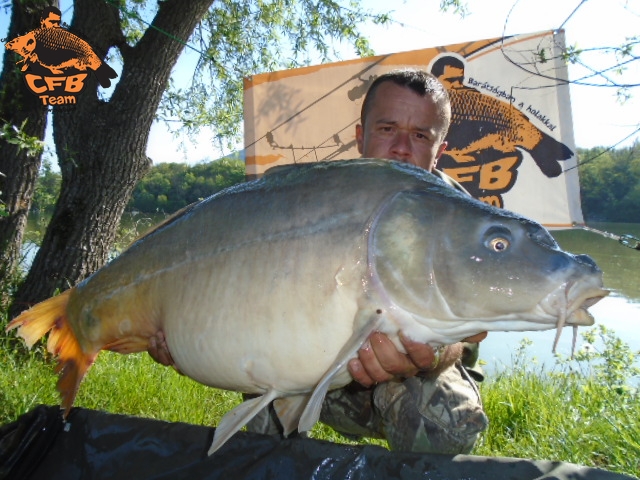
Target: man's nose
column 401, row 144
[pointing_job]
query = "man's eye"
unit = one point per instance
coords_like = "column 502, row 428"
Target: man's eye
column 386, row 129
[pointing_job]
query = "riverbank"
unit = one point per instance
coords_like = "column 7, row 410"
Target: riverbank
column 581, row 411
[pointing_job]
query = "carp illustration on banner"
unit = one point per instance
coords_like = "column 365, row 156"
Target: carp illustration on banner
column 510, row 143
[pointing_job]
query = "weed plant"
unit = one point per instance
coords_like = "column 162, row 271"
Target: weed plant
column 584, row 410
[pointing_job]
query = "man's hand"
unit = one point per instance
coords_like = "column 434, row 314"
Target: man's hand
column 379, row 360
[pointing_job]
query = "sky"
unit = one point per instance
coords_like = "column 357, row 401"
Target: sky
column 598, row 118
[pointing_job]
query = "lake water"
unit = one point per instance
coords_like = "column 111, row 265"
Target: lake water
column 620, row 311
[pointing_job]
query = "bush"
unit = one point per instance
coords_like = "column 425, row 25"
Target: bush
column 584, row 410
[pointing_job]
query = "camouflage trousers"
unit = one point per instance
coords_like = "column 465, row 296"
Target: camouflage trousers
column 417, row 414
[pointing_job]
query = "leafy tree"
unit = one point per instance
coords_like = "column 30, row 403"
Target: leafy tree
column 22, row 125
column 610, row 184
column 47, row 189
column 101, row 143
column 169, row 187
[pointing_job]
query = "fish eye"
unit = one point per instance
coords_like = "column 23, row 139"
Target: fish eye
column 497, row 238
column 499, row 244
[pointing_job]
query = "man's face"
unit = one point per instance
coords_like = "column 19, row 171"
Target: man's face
column 51, row 21
column 401, row 125
column 452, row 77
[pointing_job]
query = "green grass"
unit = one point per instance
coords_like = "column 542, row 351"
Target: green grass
column 125, row 384
column 583, row 411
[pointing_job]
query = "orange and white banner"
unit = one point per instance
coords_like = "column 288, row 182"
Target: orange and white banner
column 510, row 141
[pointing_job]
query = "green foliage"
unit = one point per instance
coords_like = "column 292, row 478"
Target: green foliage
column 609, row 180
column 47, row 189
column 240, row 38
column 571, row 54
column 614, row 363
column 132, row 226
column 610, row 184
column 575, row 411
column 17, row 136
column 458, row 6
column 585, row 410
column 169, row 187
column 14, row 135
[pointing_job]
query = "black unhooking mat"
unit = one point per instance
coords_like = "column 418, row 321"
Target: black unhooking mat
column 96, row 445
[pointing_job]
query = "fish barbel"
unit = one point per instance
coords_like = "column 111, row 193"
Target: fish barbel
column 270, row 287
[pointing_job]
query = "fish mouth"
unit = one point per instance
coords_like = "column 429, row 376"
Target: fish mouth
column 570, row 302
column 581, row 316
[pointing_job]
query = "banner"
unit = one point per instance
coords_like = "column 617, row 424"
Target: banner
column 511, row 136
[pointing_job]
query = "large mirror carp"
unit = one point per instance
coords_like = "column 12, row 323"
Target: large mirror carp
column 271, row 286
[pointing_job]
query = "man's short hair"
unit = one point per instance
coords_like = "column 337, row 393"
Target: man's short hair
column 48, row 10
column 447, row 61
column 419, row 81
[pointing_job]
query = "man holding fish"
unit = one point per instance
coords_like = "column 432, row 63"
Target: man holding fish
column 424, row 400
column 330, row 254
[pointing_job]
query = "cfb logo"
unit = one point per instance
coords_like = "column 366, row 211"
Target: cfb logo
column 54, row 61
column 56, row 90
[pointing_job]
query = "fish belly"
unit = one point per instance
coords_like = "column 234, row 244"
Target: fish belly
column 270, row 316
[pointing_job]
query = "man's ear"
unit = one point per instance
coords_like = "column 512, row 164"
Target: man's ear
column 360, row 138
column 441, row 149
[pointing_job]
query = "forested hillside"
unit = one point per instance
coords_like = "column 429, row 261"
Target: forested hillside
column 170, row 186
column 610, row 184
column 609, row 179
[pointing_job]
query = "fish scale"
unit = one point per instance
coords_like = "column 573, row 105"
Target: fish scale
column 61, row 39
column 483, row 126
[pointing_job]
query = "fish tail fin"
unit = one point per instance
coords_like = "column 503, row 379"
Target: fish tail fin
column 73, row 361
column 104, row 74
column 34, row 323
column 548, row 154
